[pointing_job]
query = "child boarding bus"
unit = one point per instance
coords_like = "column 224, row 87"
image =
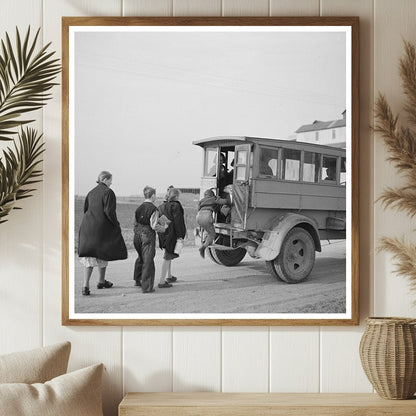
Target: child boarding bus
column 286, row 197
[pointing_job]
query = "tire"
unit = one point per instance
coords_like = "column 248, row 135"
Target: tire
column 296, row 258
column 271, row 269
column 228, row 257
column 211, row 255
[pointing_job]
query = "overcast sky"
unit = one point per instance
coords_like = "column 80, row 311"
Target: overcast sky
column 142, row 98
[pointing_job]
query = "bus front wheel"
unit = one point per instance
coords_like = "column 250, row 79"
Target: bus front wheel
column 296, row 258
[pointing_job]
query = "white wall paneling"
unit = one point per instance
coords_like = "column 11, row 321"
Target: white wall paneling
column 245, row 8
column 341, row 368
column 28, row 13
column 393, row 22
column 245, row 359
column 257, row 359
column 294, row 351
column 294, row 7
column 191, row 346
column 147, row 7
column 365, row 10
column 21, row 236
column 197, row 7
column 89, row 345
column 147, row 359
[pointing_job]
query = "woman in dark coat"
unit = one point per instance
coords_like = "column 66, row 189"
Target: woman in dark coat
column 100, row 238
column 174, row 234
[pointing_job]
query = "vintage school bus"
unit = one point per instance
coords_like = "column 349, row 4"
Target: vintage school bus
column 286, row 196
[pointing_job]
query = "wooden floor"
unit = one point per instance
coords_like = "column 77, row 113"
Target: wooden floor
column 264, row 404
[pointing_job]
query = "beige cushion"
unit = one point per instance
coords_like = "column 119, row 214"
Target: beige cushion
column 35, row 366
column 73, row 394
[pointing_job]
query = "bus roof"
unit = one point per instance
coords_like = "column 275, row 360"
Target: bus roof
column 234, row 140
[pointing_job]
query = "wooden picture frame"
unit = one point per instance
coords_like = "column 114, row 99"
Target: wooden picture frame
column 85, row 109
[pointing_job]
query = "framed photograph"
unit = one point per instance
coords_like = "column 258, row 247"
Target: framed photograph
column 210, row 171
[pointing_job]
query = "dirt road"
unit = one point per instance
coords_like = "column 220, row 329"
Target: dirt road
column 205, row 287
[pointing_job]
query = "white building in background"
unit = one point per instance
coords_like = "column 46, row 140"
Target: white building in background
column 331, row 133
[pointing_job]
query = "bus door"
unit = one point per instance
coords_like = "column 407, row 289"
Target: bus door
column 240, row 186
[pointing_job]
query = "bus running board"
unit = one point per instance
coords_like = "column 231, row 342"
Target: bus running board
column 221, row 247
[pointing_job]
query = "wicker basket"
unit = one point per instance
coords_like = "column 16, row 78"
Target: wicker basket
column 388, row 356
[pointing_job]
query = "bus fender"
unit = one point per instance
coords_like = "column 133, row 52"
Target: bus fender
column 272, row 240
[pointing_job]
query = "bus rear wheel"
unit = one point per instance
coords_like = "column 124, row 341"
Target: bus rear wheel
column 228, row 257
column 296, row 258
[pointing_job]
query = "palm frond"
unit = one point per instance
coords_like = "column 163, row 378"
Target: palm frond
column 19, row 170
column 25, row 79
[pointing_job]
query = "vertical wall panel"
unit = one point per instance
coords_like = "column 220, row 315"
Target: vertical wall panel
column 342, row 371
column 245, row 8
column 294, row 360
column 21, row 236
column 28, row 13
column 193, row 346
column 294, row 7
column 89, row 345
column 147, row 359
column 294, row 352
column 197, row 7
column 147, row 352
column 394, row 21
column 245, row 359
column 147, row 7
column 363, row 9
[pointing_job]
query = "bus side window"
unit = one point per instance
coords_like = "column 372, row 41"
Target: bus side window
column 329, row 168
column 311, row 162
column 343, row 173
column 290, row 166
column 268, row 162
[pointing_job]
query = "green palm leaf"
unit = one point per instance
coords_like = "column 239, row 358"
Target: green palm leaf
column 25, row 79
column 19, row 170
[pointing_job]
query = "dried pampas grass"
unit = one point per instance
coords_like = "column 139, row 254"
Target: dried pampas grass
column 404, row 253
column 401, row 143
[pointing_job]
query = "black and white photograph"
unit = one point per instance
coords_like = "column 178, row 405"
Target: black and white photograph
column 210, row 173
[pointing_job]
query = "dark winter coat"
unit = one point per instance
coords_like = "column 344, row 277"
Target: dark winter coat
column 100, row 232
column 173, row 210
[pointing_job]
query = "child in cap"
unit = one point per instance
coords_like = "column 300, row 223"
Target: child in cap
column 205, row 218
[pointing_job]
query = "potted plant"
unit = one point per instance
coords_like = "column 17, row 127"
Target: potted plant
column 388, row 345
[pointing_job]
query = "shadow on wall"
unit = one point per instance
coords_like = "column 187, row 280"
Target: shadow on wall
column 160, row 381
column 112, row 393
